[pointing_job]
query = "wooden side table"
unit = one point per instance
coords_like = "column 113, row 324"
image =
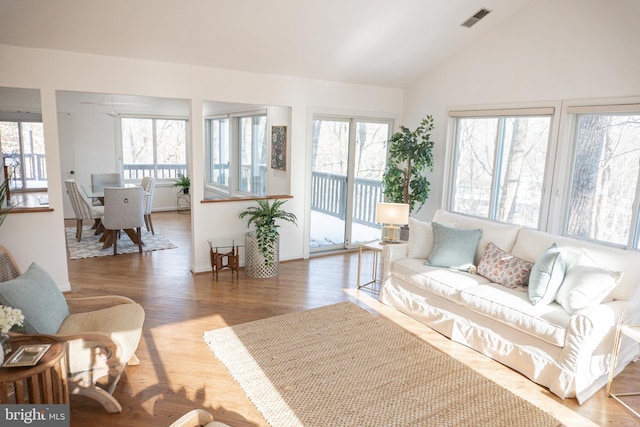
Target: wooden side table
column 44, row 383
column 225, row 248
column 633, row 332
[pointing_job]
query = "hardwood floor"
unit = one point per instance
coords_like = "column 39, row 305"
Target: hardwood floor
column 178, row 372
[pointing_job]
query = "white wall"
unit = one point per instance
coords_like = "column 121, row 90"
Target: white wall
column 551, row 50
column 40, row 237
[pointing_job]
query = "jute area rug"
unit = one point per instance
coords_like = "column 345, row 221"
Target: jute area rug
column 341, row 366
column 90, row 245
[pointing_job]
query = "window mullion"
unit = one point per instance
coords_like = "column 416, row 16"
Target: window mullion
column 497, row 169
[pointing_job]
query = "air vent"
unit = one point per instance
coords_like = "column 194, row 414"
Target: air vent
column 475, row 18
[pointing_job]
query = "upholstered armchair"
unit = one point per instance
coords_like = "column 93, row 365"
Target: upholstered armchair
column 101, row 333
column 197, row 417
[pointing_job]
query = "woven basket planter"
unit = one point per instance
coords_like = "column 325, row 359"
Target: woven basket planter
column 254, row 264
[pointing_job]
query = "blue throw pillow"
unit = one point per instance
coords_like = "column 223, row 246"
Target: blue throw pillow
column 38, row 297
column 546, row 276
column 453, row 247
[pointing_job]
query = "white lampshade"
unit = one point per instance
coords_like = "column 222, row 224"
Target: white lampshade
column 391, row 215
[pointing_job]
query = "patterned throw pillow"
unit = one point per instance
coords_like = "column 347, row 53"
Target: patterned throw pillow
column 504, row 268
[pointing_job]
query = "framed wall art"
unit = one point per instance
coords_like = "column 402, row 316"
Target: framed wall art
column 279, row 147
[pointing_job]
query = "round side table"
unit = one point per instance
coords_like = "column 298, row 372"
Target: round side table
column 43, row 383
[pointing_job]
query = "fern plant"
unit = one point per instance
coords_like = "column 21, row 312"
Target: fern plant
column 264, row 218
column 4, row 207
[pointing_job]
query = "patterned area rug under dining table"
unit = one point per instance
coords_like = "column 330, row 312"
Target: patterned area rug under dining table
column 340, row 365
column 91, row 246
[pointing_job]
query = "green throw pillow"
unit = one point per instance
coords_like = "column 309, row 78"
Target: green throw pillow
column 38, row 297
column 453, row 247
column 546, row 276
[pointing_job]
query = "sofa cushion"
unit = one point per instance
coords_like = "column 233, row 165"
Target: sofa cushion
column 440, row 281
column 546, row 322
column 38, row 297
column 546, row 276
column 585, row 284
column 503, row 268
column 453, row 247
column 420, row 239
column 531, row 244
column 501, row 234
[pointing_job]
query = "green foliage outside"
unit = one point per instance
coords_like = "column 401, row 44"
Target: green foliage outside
column 410, row 155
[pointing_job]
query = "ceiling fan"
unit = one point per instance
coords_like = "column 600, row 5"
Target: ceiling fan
column 113, row 104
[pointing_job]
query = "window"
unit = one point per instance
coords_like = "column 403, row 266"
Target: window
column 220, row 154
column 252, row 135
column 604, row 188
column 238, row 152
column 22, row 143
column 500, row 164
column 153, row 147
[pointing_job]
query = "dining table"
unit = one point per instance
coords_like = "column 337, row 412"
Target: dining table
column 98, row 194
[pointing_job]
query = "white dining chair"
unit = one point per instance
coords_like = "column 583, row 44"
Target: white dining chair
column 101, row 180
column 123, row 210
column 83, row 209
column 148, row 185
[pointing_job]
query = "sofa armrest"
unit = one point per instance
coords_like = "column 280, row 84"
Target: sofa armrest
column 86, row 304
column 590, row 327
column 391, row 253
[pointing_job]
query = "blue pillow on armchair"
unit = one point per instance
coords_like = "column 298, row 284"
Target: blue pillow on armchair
column 38, row 297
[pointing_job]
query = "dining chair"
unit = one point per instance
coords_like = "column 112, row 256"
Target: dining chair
column 149, row 186
column 123, row 210
column 83, row 209
column 101, row 180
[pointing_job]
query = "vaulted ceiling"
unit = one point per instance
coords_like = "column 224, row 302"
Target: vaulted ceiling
column 373, row 42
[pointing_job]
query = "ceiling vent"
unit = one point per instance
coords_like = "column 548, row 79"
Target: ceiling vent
column 475, row 18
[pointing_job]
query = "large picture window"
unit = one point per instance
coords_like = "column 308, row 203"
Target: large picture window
column 153, row 147
column 603, row 203
column 500, row 163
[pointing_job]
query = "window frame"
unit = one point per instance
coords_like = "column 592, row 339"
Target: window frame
column 560, row 163
column 546, row 109
column 20, row 118
column 153, row 118
column 571, row 111
column 233, row 186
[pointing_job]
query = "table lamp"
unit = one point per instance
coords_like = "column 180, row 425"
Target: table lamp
column 391, row 216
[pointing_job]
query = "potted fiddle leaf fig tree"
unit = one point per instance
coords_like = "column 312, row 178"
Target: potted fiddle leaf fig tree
column 410, row 156
column 262, row 246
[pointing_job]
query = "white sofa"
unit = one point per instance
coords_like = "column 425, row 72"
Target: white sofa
column 568, row 353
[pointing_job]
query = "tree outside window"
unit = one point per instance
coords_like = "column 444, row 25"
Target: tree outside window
column 605, row 179
column 153, row 147
column 500, row 167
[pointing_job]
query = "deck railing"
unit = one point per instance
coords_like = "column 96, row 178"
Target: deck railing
column 162, row 171
column 329, row 195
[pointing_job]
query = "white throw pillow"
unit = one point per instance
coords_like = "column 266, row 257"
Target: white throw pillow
column 546, row 276
column 420, row 239
column 586, row 285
